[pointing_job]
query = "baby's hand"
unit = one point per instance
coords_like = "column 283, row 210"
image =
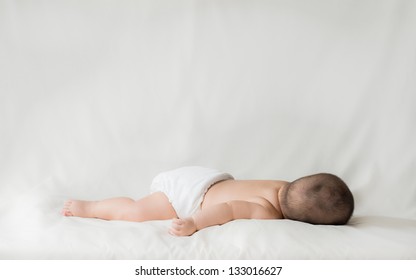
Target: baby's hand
column 182, row 227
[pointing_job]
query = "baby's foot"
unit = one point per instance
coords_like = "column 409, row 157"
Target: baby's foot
column 76, row 208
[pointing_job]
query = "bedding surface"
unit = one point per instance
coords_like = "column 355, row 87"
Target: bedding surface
column 98, row 97
column 37, row 231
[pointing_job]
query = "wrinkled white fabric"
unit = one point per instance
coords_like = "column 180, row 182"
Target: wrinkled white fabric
column 186, row 186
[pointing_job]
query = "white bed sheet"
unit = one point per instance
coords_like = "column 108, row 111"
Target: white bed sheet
column 36, row 230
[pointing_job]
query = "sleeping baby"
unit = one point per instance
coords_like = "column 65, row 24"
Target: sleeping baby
column 197, row 197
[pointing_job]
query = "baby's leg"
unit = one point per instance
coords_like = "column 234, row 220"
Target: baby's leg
column 152, row 207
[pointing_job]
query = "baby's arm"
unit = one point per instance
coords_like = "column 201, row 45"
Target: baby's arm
column 220, row 214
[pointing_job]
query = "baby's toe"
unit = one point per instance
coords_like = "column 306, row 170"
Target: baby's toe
column 67, row 203
column 66, row 208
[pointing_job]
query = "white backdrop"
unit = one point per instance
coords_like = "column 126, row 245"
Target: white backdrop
column 97, row 97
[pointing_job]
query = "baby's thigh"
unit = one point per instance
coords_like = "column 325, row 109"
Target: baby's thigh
column 155, row 206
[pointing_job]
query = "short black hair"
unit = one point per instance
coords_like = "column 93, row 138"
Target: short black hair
column 321, row 198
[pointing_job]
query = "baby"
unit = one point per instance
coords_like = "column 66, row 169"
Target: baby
column 197, row 197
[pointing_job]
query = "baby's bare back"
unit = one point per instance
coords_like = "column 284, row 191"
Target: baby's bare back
column 244, row 190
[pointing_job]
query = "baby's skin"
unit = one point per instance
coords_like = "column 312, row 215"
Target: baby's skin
column 223, row 202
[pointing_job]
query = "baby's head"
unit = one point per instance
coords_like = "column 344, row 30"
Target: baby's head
column 317, row 199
